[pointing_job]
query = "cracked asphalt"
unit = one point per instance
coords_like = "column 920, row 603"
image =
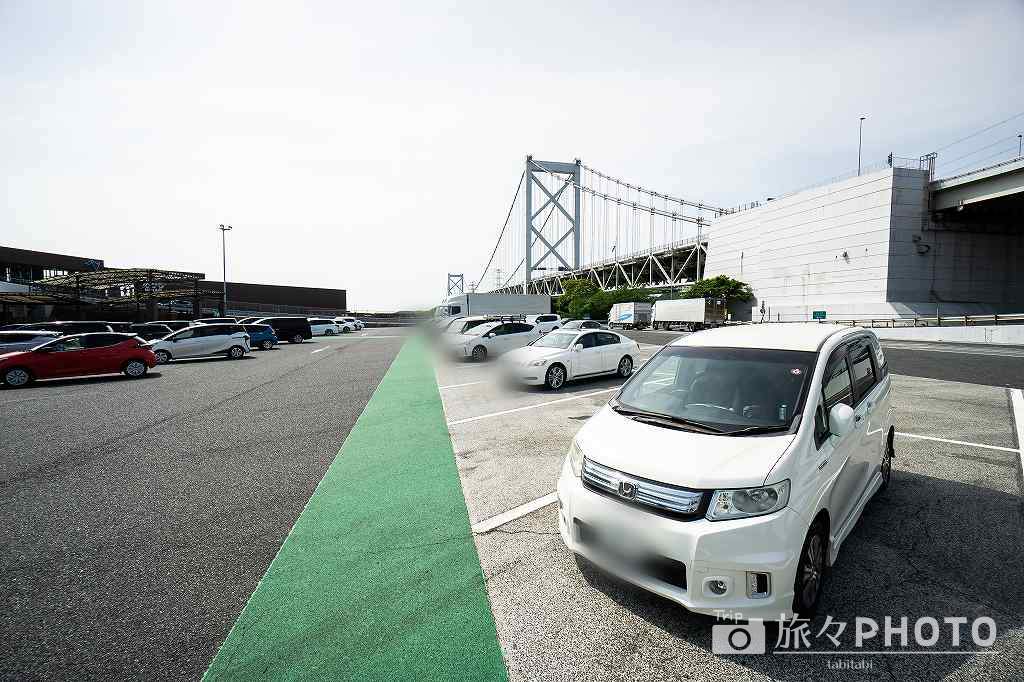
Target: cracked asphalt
column 946, row 539
column 139, row 516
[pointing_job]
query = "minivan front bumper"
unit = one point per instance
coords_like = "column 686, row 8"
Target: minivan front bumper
column 707, row 550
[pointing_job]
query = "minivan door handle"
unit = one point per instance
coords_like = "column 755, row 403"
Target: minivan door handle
column 822, row 463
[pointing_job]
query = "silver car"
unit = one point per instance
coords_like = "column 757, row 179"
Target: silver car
column 203, row 340
column 24, row 340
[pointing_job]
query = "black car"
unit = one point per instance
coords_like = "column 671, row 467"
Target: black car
column 290, row 329
column 121, row 327
column 150, row 330
column 74, row 327
column 584, row 324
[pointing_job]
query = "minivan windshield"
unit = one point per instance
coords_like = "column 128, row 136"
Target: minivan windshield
column 734, row 391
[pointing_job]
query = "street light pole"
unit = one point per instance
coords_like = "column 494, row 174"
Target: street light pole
column 1020, row 139
column 224, row 259
column 860, row 142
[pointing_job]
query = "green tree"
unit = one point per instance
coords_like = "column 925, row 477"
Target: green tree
column 577, row 297
column 721, row 286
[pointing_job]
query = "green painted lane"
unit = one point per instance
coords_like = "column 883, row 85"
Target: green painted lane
column 379, row 578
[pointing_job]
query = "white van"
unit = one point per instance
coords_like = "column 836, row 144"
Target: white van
column 727, row 472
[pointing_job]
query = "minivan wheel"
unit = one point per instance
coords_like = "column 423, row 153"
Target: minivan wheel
column 479, row 354
column 135, row 369
column 296, row 339
column 625, row 367
column 810, row 571
column 329, row 332
column 555, row 377
column 162, row 357
column 266, row 344
column 16, row 377
column 235, row 352
column 887, row 461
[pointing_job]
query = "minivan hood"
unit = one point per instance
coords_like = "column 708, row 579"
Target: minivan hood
column 682, row 458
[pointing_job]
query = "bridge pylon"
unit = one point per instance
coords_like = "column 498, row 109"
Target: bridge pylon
column 545, row 237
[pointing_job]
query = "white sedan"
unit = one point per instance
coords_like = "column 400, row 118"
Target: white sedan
column 492, row 339
column 566, row 355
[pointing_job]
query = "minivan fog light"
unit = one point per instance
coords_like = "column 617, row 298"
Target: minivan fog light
column 717, row 587
column 759, row 585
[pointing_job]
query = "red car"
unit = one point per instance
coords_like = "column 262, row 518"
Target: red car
column 78, row 355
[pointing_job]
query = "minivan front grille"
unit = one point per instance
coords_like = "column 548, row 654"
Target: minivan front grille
column 674, row 502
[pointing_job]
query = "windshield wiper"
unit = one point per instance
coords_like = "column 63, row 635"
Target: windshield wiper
column 757, row 429
column 666, row 420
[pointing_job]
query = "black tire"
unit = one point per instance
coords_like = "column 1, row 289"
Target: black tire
column 16, row 377
column 479, row 354
column 887, row 461
column 135, row 369
column 236, row 353
column 266, row 344
column 162, row 357
column 811, row 570
column 555, row 377
column 625, row 367
column 329, row 332
column 296, row 339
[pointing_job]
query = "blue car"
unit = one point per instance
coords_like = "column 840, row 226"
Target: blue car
column 261, row 336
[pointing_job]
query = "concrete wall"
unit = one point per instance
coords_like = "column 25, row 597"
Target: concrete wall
column 1004, row 334
column 825, row 248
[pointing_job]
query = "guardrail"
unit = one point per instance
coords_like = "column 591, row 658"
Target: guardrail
column 918, row 321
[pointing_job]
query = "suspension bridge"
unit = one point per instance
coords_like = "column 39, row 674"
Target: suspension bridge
column 569, row 221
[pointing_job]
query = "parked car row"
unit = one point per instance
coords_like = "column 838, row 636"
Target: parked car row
column 50, row 350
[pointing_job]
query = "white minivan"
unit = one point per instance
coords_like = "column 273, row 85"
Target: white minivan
column 202, row 340
column 727, row 472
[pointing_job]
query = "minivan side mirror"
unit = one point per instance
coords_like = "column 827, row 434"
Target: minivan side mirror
column 840, row 419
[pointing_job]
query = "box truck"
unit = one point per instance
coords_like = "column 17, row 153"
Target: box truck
column 691, row 314
column 629, row 315
column 464, row 305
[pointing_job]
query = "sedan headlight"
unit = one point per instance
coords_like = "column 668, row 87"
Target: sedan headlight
column 747, row 502
column 575, row 457
column 539, row 363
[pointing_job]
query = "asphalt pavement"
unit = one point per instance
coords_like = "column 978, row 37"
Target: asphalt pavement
column 139, row 515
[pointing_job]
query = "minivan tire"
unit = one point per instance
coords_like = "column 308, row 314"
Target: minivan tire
column 266, row 344
column 811, row 570
column 296, row 339
column 479, row 354
column 135, row 369
column 162, row 357
column 887, row 461
column 236, row 353
column 16, row 377
column 329, row 332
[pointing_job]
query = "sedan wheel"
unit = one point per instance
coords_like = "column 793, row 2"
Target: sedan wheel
column 135, row 368
column 479, row 354
column 625, row 367
column 810, row 572
column 17, row 377
column 329, row 332
column 555, row 378
column 162, row 357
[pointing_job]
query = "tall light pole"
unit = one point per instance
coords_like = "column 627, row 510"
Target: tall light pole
column 224, row 258
column 1020, row 141
column 860, row 142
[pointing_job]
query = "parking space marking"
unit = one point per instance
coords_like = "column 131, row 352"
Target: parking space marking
column 468, row 383
column 531, row 407
column 318, row 350
column 957, row 442
column 1017, row 406
column 522, row 510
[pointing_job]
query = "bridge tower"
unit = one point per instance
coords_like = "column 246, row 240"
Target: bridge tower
column 552, row 178
column 456, row 284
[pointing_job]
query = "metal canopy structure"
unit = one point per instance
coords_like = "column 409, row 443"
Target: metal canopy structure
column 121, row 286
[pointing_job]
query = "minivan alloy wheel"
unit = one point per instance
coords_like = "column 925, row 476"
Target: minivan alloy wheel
column 17, row 377
column 266, row 344
column 235, row 352
column 296, row 339
column 810, row 572
column 162, row 357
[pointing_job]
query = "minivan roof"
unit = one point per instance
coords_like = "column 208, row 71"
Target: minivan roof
column 807, row 336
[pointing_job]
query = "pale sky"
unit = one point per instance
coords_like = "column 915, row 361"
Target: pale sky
column 375, row 146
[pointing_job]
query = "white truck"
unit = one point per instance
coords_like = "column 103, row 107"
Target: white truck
column 629, row 315
column 464, row 305
column 690, row 314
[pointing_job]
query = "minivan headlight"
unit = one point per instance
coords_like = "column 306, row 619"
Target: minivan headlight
column 746, row 502
column 575, row 457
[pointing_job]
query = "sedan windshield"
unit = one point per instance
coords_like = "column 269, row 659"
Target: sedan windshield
column 732, row 390
column 554, row 340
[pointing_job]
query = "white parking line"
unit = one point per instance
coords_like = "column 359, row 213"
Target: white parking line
column 1017, row 405
column 515, row 513
column 957, row 442
column 531, row 407
column 468, row 383
column 319, row 350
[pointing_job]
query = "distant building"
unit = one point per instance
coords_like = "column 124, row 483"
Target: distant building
column 27, row 266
